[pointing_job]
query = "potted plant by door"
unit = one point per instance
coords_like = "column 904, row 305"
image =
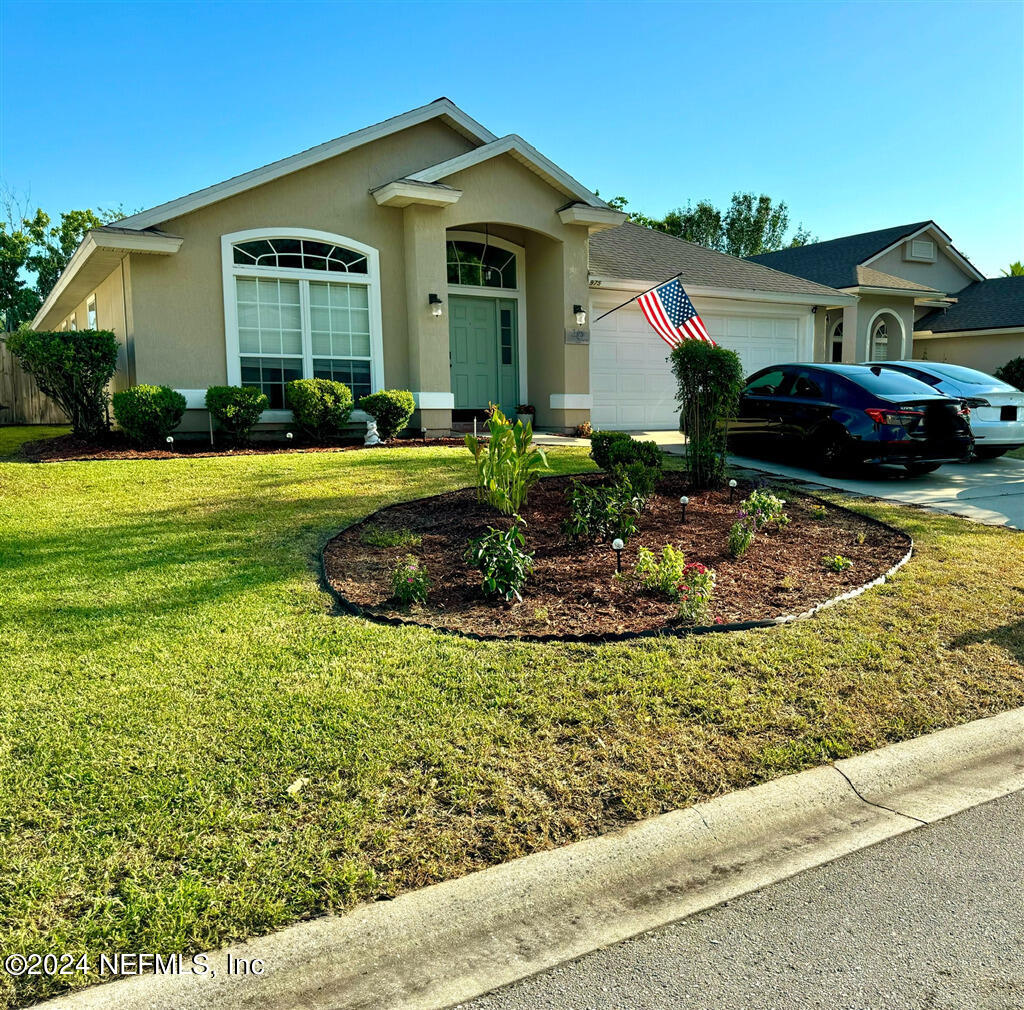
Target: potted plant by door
column 525, row 412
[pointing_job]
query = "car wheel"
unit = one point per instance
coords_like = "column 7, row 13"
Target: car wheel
column 989, row 452
column 831, row 453
column 918, row 469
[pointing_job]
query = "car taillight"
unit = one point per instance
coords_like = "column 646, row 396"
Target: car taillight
column 896, row 418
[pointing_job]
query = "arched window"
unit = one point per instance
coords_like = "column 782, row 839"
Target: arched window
column 837, row 342
column 301, row 304
column 880, row 342
column 479, row 264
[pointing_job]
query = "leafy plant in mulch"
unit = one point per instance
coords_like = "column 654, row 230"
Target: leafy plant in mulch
column 601, row 513
column 502, row 558
column 836, row 563
column 818, row 511
column 663, row 574
column 741, row 536
column 760, row 510
column 695, row 590
column 508, row 464
column 409, row 582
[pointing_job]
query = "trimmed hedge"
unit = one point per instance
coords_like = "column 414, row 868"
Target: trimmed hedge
column 72, row 368
column 601, row 443
column 236, row 409
column 1012, row 372
column 321, row 407
column 391, row 409
column 148, row 414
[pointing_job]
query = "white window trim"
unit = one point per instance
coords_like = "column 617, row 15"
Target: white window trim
column 90, row 309
column 871, row 332
column 231, row 270
column 516, row 294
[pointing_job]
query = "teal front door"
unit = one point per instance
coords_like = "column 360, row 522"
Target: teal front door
column 483, row 341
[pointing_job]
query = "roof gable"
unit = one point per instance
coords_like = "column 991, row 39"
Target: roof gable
column 443, row 109
column 995, row 303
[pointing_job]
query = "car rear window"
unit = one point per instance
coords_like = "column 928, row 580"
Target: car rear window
column 887, row 382
column 967, row 376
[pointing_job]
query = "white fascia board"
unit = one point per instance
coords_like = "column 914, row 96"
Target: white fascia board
column 947, row 242
column 160, row 245
column 915, row 293
column 445, row 109
column 831, row 300
column 593, row 218
column 401, row 193
column 522, row 151
column 995, row 331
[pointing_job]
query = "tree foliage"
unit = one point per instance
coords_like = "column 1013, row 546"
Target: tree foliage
column 72, row 367
column 1015, row 270
column 750, row 225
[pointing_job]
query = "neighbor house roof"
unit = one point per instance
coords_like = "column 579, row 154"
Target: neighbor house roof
column 631, row 252
column 997, row 303
column 836, row 261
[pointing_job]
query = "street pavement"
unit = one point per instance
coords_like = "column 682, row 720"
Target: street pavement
column 932, row 919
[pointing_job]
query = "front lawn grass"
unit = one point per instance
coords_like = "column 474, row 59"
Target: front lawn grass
column 14, row 436
column 1016, row 453
column 169, row 666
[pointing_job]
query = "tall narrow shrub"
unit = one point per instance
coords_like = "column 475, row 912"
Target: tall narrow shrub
column 709, row 382
column 508, row 464
column 72, row 368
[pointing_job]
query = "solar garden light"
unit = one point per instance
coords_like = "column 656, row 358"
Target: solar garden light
column 684, row 501
column 170, row 441
column 288, row 435
column 732, row 489
column 617, row 546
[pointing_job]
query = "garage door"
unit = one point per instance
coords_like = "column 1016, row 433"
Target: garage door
column 630, row 379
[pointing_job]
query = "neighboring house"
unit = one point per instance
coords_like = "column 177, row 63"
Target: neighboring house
column 422, row 253
column 917, row 297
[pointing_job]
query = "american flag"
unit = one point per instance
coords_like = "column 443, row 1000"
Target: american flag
column 668, row 309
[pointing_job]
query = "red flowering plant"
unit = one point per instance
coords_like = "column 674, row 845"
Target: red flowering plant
column 696, row 587
column 409, row 582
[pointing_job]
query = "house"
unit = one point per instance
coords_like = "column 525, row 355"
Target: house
column 428, row 254
column 917, row 297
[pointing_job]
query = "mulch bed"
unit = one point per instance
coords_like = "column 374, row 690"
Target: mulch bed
column 68, row 448
column 572, row 590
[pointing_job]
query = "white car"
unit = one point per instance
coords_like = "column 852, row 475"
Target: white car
column 997, row 408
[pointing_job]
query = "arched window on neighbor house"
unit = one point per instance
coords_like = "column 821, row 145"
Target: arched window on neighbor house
column 301, row 304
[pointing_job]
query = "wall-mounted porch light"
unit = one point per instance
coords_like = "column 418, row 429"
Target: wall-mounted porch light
column 581, row 315
column 435, row 303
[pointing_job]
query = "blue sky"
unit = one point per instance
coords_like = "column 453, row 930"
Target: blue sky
column 859, row 115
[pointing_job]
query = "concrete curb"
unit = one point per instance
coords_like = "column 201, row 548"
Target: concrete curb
column 446, row 944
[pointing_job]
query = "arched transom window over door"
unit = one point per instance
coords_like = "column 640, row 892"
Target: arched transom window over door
column 480, row 264
column 301, row 304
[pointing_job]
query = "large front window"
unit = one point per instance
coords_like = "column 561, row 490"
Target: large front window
column 293, row 322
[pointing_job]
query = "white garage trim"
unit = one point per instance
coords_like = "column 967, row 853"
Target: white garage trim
column 602, row 285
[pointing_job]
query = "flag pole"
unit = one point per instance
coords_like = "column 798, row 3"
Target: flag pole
column 636, row 296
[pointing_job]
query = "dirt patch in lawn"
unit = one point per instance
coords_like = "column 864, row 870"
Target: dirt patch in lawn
column 68, row 448
column 573, row 591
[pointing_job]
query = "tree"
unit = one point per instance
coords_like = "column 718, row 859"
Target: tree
column 1016, row 270
column 748, row 226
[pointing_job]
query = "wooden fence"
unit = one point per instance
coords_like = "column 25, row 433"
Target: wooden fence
column 20, row 399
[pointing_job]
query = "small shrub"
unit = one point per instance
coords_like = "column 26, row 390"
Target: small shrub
column 861, row 538
column 601, row 513
column 695, row 589
column 391, row 409
column 638, row 463
column 541, row 616
column 377, row 536
column 584, row 430
column 663, row 574
column 505, row 564
column 1012, row 372
column 741, row 536
column 409, row 582
column 765, row 509
column 236, row 409
column 601, row 443
column 72, row 368
column 836, row 563
column 818, row 511
column 321, row 407
column 508, row 464
column 148, row 414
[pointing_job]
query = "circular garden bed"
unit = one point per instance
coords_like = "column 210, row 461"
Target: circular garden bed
column 573, row 590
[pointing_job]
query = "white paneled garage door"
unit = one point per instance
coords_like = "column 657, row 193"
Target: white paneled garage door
column 630, row 380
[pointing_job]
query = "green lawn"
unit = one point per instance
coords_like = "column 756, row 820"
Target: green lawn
column 12, row 437
column 1016, row 453
column 169, row 665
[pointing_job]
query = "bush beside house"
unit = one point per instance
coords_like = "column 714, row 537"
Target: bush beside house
column 148, row 414
column 391, row 409
column 321, row 407
column 236, row 409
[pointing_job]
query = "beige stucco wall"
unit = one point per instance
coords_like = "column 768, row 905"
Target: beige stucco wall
column 178, row 301
column 861, row 318
column 984, row 352
column 943, row 275
column 110, row 315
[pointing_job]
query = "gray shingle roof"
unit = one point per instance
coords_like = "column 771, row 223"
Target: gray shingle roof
column 869, row 277
column 835, row 262
column 984, row 305
column 631, row 252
